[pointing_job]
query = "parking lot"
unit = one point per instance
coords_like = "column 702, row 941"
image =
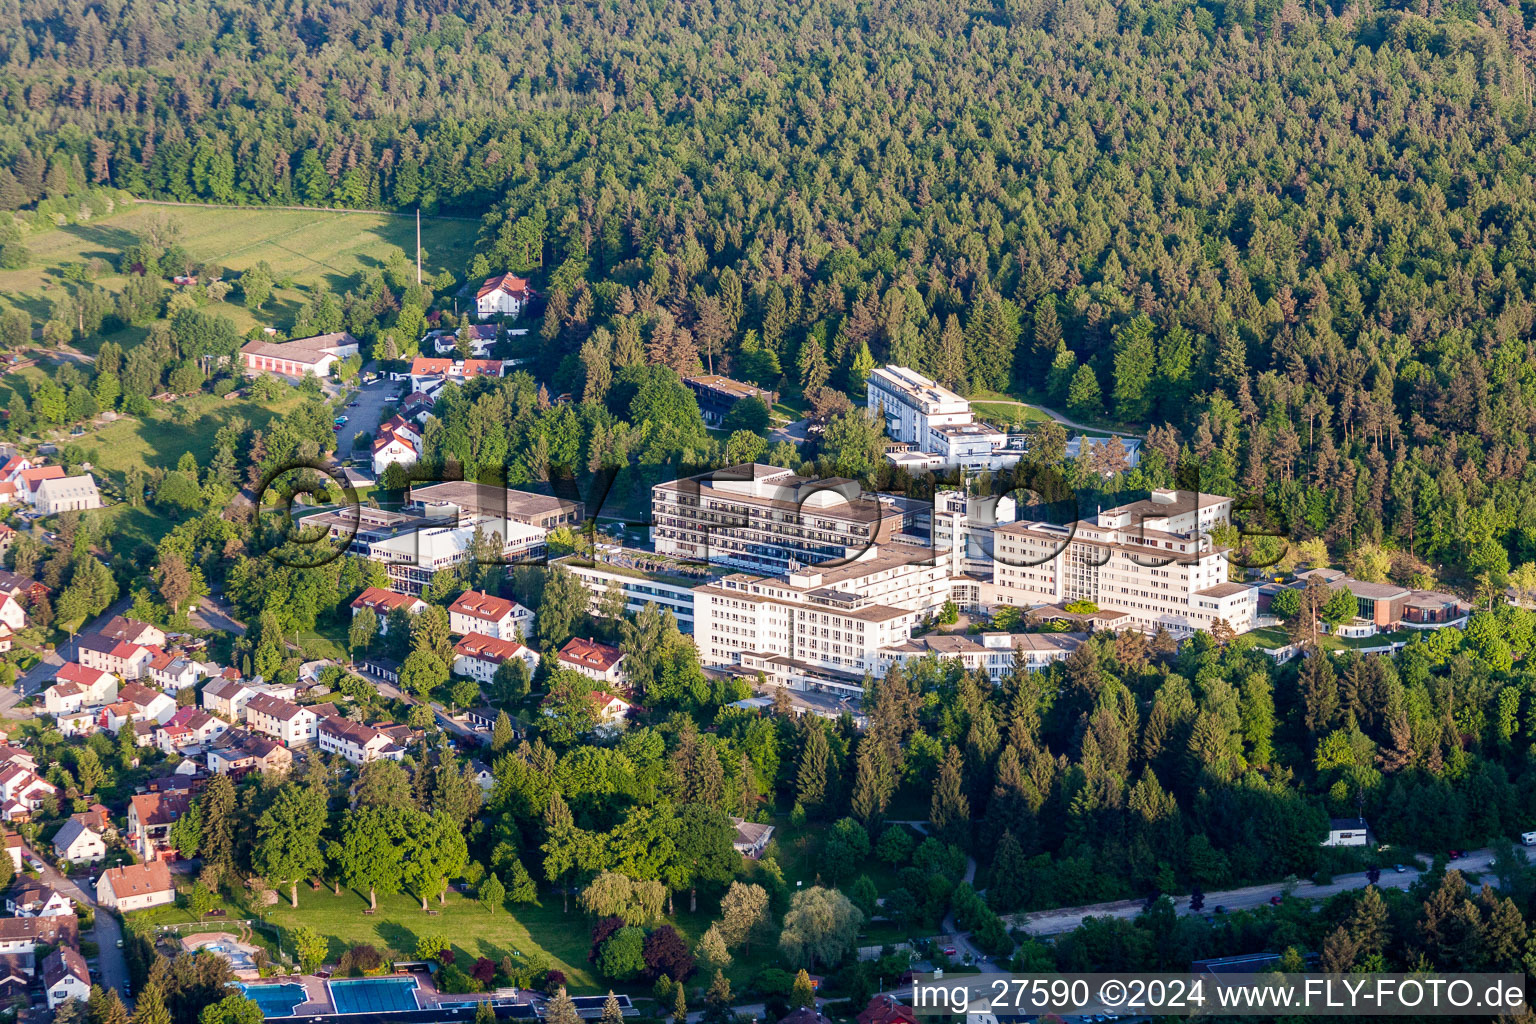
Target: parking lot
column 373, row 407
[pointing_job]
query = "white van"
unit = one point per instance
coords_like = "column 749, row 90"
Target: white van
column 1528, row 838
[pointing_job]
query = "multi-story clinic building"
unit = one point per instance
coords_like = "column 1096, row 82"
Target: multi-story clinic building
column 1152, row 560
column 816, row 628
column 766, row 519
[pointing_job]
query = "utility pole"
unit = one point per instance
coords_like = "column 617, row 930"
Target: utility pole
column 418, row 247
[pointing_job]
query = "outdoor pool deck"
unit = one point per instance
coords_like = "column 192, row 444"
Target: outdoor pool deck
column 390, row 995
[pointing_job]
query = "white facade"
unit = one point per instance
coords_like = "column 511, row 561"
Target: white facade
column 286, row 722
column 358, row 743
column 67, row 494
column 1152, row 560
column 824, row 630
column 477, row 612
column 640, row 586
column 478, row 657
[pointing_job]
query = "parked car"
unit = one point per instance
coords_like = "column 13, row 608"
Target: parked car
column 1454, row 854
column 1398, row 868
column 1220, row 909
column 949, row 950
column 1275, row 901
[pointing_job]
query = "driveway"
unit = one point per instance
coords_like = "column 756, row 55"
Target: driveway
column 111, row 970
column 211, row 613
column 371, row 410
column 444, row 720
column 794, row 433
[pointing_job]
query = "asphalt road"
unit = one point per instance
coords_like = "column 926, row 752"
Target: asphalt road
column 371, row 410
column 1065, row 919
column 32, row 680
column 111, row 968
column 444, row 720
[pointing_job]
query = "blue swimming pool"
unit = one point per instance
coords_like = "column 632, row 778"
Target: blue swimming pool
column 275, row 1000
column 374, row 995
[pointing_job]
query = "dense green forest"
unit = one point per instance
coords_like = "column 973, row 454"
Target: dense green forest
column 1295, row 241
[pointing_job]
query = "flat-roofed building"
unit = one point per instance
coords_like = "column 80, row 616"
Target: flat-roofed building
column 641, row 577
column 767, row 519
column 819, row 628
column 718, row 395
column 1152, row 560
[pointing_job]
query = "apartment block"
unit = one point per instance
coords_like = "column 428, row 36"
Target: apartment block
column 642, row 577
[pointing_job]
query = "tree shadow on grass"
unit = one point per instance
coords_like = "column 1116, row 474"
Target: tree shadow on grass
column 396, row 936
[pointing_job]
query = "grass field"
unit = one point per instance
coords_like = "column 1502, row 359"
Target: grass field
column 310, row 246
column 1003, row 412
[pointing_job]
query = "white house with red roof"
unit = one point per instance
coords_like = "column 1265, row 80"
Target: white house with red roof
column 13, row 467
column 123, row 659
column 22, row 792
column 150, row 817
column 189, row 730
column 396, row 442
column 381, row 602
column 502, row 295
column 77, row 688
column 608, row 711
column 428, row 374
column 174, row 672
column 600, row 661
column 356, row 742
column 134, row 631
column 136, row 887
column 479, row 612
column 29, row 480
column 12, row 615
column 479, row 656
column 65, row 976
column 291, row 724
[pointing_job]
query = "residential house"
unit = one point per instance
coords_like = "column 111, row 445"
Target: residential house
column 77, row 687
column 477, row 612
column 22, row 792
column 479, row 656
column 502, row 295
column 29, row 480
column 239, row 751
column 317, row 355
column 445, row 342
column 381, row 602
column 429, row 374
column 15, row 973
column 65, row 976
column 79, row 843
column 148, row 705
column 885, row 1009
column 10, row 755
column 136, row 887
column 121, row 627
column 34, row 899
column 608, row 712
column 397, row 441
column 23, row 588
column 15, row 846
column 600, row 661
column 67, row 494
column 189, row 729
column 150, row 817
column 174, row 672
column 285, row 721
column 227, row 697
column 12, row 615
column 123, row 659
column 77, row 723
column 751, row 838
column 356, row 742
column 22, row 935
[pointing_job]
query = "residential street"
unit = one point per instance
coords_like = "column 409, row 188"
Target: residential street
column 32, row 680
column 111, row 967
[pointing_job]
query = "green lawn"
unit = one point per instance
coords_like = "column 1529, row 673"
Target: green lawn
column 1271, row 637
column 310, row 246
column 999, row 412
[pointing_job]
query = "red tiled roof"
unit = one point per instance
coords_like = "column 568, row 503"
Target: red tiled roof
column 508, row 283
column 377, row 597
column 590, row 654
column 479, row 605
column 140, row 879
column 487, row 648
